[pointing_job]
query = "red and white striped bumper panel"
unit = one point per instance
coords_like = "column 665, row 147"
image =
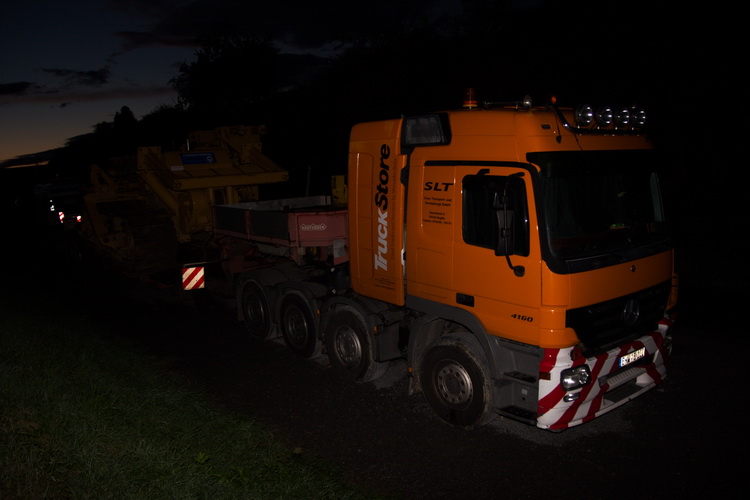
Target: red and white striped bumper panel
column 611, row 385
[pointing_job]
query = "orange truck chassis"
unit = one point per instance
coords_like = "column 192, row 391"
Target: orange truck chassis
column 517, row 257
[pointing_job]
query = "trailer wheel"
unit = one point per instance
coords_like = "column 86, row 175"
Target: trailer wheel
column 456, row 383
column 255, row 311
column 298, row 327
column 350, row 347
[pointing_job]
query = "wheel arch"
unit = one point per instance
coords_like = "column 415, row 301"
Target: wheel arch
column 354, row 347
column 437, row 322
column 311, row 293
column 333, row 304
column 381, row 319
column 513, row 366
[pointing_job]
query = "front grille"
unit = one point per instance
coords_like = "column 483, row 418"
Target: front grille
column 607, row 324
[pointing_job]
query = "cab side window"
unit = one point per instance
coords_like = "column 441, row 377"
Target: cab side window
column 490, row 203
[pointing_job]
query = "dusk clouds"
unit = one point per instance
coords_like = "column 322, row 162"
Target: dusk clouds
column 73, row 49
column 90, row 78
column 66, row 66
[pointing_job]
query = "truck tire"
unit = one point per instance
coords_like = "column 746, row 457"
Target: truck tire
column 256, row 313
column 350, row 347
column 456, row 383
column 298, row 327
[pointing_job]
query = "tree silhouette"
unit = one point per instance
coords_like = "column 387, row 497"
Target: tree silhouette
column 231, row 73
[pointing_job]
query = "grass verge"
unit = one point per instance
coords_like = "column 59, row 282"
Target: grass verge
column 85, row 415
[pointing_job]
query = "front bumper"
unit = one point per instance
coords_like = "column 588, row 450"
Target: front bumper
column 611, row 386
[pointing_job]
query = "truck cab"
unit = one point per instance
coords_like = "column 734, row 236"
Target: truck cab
column 531, row 249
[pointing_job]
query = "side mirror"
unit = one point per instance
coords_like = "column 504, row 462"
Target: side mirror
column 508, row 232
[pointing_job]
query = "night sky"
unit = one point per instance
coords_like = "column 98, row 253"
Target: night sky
column 66, row 66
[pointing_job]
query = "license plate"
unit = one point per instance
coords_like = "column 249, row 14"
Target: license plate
column 633, row 356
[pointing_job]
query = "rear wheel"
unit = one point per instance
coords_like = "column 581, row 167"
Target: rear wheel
column 255, row 311
column 298, row 327
column 350, row 347
column 456, row 383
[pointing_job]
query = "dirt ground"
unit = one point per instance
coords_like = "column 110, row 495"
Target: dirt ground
column 675, row 440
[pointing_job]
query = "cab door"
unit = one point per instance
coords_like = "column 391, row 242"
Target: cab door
column 472, row 243
column 496, row 256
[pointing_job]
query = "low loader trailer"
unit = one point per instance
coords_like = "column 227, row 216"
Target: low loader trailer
column 517, row 256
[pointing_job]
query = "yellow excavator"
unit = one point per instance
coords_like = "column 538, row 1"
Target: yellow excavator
column 147, row 211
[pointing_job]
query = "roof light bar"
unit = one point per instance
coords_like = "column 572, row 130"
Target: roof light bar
column 604, row 118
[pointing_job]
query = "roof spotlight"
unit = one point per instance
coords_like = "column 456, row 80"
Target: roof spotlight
column 622, row 118
column 639, row 118
column 584, row 115
column 604, row 116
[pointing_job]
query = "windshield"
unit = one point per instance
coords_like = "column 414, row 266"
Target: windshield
column 599, row 203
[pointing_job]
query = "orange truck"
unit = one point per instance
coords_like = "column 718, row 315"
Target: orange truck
column 517, row 256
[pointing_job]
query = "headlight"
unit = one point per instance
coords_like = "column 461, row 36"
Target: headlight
column 573, row 378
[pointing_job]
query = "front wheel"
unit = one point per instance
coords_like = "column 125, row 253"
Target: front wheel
column 456, row 384
column 350, row 347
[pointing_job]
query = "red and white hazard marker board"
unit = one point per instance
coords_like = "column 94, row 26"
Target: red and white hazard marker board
column 192, row 278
